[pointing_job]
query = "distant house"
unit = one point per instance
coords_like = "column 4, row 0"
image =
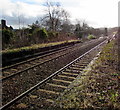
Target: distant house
column 4, row 26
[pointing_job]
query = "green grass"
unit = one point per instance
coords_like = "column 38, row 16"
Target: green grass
column 91, row 36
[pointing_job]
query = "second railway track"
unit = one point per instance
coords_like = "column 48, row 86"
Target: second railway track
column 66, row 75
column 18, row 68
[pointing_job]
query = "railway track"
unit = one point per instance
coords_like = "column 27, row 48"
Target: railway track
column 18, row 68
column 12, row 62
column 19, row 82
column 44, row 92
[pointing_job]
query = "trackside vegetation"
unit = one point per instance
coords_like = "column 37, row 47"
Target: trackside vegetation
column 37, row 46
column 91, row 36
column 98, row 87
column 55, row 25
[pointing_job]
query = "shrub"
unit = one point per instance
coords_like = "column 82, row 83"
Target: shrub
column 68, row 34
column 43, row 33
column 91, row 36
column 29, row 37
column 51, row 34
column 57, row 33
column 40, row 33
column 36, row 32
column 7, row 36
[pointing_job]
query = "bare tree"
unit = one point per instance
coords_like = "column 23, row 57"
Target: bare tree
column 66, row 26
column 78, row 29
column 54, row 15
column 82, row 28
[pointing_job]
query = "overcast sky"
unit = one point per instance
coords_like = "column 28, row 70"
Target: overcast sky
column 97, row 13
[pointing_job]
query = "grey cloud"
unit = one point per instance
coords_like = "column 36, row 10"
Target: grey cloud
column 14, row 21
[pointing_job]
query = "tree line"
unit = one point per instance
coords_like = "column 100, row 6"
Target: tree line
column 48, row 28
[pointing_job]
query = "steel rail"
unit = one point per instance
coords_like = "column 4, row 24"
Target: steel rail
column 48, row 78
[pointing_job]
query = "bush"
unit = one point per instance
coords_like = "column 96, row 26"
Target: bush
column 91, row 36
column 51, row 34
column 29, row 37
column 79, row 34
column 57, row 33
column 7, row 36
column 40, row 33
column 36, row 32
column 43, row 33
column 68, row 34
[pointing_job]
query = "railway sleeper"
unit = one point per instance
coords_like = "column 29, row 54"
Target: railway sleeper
column 50, row 100
column 41, row 94
column 39, row 61
column 56, row 85
column 77, row 68
column 6, row 72
column 59, row 82
column 62, row 77
column 27, row 64
column 19, row 67
column 68, row 77
column 73, row 71
column 62, row 81
column 48, row 91
column 34, row 63
column 44, row 93
column 53, row 87
column 81, row 63
column 69, row 74
column 14, row 69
